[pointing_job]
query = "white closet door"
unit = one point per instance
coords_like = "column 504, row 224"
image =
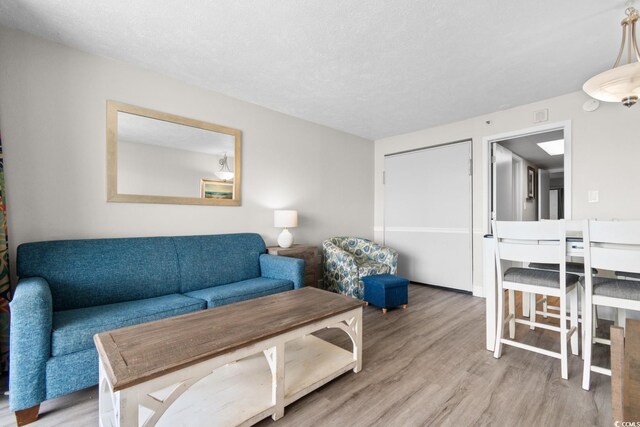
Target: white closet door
column 428, row 214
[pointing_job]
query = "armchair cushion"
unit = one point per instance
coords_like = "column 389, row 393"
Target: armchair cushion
column 73, row 330
column 370, row 268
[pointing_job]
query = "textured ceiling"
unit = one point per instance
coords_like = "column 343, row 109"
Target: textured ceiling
column 373, row 68
column 144, row 130
column 527, row 148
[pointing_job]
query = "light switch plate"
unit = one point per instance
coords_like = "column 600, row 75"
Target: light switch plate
column 593, row 196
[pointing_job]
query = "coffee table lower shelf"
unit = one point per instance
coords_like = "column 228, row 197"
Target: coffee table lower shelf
column 240, row 392
column 240, row 388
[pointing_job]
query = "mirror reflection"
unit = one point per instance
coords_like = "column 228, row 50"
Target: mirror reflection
column 161, row 158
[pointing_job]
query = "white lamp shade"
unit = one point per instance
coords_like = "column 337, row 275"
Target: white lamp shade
column 285, row 219
column 616, row 84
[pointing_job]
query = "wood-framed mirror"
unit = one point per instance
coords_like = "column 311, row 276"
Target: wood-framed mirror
column 155, row 157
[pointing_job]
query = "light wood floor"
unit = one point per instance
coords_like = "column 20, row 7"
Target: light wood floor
column 423, row 366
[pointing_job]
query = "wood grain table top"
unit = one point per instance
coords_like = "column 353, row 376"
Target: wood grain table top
column 142, row 352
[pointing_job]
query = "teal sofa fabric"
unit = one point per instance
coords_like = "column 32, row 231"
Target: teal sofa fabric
column 85, row 273
column 73, row 330
column 70, row 290
column 235, row 292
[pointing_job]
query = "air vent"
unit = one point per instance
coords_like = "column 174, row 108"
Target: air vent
column 541, row 116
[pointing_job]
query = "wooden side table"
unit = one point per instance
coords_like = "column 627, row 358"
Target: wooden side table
column 310, row 256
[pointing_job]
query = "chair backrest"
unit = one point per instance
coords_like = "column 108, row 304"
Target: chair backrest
column 354, row 245
column 531, row 241
column 612, row 245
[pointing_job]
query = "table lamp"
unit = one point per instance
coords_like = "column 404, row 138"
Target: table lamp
column 285, row 220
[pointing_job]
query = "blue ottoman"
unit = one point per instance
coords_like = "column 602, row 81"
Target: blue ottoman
column 386, row 290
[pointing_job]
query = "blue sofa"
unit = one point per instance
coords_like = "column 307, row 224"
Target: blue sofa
column 70, row 290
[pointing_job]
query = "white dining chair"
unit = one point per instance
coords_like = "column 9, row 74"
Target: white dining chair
column 576, row 268
column 543, row 242
column 609, row 245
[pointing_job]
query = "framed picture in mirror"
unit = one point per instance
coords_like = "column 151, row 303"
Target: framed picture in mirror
column 216, row 189
column 531, row 182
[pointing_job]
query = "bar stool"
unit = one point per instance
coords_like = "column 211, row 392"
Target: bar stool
column 543, row 242
column 610, row 245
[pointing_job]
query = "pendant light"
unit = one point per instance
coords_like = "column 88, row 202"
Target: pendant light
column 224, row 173
column 622, row 82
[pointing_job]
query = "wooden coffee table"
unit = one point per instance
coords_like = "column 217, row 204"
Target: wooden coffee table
column 231, row 365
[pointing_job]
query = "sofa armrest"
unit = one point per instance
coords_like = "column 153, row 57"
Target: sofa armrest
column 281, row 267
column 30, row 342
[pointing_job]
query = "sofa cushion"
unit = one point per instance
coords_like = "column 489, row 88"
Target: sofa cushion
column 73, row 330
column 214, row 260
column 370, row 268
column 85, row 273
column 240, row 291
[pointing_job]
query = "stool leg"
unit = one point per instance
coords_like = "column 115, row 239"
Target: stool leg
column 512, row 311
column 532, row 310
column 573, row 309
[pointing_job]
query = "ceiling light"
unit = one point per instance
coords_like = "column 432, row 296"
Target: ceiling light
column 224, row 172
column 553, row 148
column 622, row 82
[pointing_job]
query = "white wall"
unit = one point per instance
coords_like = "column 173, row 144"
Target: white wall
column 162, row 171
column 605, row 153
column 53, row 123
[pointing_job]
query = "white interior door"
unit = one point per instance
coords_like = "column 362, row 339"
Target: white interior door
column 543, row 194
column 503, row 197
column 427, row 216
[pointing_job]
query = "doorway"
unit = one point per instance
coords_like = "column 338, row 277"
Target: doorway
column 529, row 174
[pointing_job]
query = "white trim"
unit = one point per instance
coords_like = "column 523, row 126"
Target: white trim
column 486, row 161
column 427, row 230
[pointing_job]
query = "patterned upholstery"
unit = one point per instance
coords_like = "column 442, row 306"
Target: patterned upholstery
column 348, row 259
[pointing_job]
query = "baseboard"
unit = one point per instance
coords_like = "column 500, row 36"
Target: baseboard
column 444, row 288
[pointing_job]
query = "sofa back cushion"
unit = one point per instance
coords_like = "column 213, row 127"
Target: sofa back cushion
column 86, row 273
column 213, row 260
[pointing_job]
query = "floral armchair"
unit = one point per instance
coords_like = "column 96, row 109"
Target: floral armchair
column 347, row 259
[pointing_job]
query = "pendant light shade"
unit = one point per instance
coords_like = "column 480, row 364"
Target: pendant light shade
column 224, row 173
column 622, row 82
